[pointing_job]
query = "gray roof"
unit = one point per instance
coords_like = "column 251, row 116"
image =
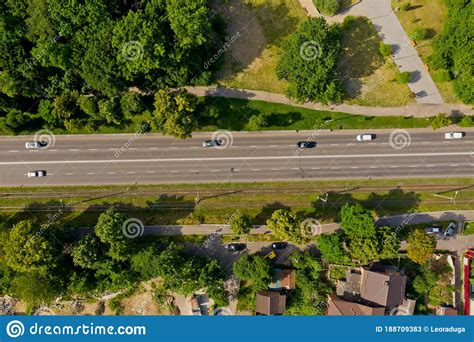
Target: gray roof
column 386, row 288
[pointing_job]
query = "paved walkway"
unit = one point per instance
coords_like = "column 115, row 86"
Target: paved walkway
column 391, row 32
column 415, row 110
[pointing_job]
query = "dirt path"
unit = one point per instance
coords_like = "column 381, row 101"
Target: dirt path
column 416, row 110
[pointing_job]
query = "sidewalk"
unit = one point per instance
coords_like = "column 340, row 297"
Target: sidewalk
column 391, row 32
column 416, row 110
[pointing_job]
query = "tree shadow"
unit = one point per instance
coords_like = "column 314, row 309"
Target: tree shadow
column 397, row 200
column 267, row 211
column 360, row 56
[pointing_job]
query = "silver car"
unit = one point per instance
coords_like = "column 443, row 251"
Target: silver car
column 450, row 230
column 39, row 173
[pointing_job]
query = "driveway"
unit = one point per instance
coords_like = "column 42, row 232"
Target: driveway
column 391, row 32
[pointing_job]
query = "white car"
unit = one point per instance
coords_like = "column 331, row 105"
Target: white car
column 365, row 137
column 39, row 173
column 35, row 144
column 453, row 135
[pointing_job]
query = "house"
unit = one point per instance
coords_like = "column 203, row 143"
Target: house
column 270, row 303
column 340, row 307
column 446, row 311
column 382, row 285
column 283, row 279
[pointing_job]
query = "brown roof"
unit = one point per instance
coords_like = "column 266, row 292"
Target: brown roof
column 340, row 307
column 283, row 279
column 384, row 287
column 446, row 311
column 270, row 303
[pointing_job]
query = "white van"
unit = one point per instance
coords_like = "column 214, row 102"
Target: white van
column 365, row 137
column 453, row 135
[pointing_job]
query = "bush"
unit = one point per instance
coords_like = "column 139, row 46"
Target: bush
column 257, row 122
column 131, row 104
column 419, row 33
column 467, row 121
column 442, row 76
column 240, row 223
column 329, row 7
column 406, row 6
column 404, row 77
column 385, row 49
column 440, row 120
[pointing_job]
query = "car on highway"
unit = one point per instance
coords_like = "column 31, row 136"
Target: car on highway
column 453, row 135
column 279, row 245
column 236, row 247
column 306, row 144
column 365, row 137
column 35, row 144
column 433, row 230
column 450, row 230
column 270, row 256
column 38, row 173
column 211, row 143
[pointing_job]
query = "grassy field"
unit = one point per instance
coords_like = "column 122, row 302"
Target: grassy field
column 175, row 204
column 427, row 14
column 369, row 78
column 468, row 228
column 234, row 114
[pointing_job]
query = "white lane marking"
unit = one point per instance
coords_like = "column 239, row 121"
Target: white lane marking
column 256, row 169
column 430, row 165
column 93, row 149
column 13, row 151
column 32, row 150
column 413, row 166
column 69, row 173
column 194, row 147
column 131, row 172
column 351, row 144
column 215, row 170
column 454, row 165
column 73, row 150
column 440, row 154
column 334, row 144
column 111, row 173
column 253, row 146
column 334, row 168
column 315, row 168
column 194, row 171
column 354, row 167
column 91, row 173
column 174, row 171
column 275, row 169
column 295, row 168
column 373, row 167
column 53, row 150
column 236, row 169
column 393, row 167
column 270, row 146
column 112, row 149
column 151, row 172
column 153, row 148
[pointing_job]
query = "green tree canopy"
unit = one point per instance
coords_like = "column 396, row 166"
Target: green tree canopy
column 357, row 221
column 331, row 248
column 421, row 246
column 286, row 226
column 240, row 223
column 109, row 230
column 254, row 269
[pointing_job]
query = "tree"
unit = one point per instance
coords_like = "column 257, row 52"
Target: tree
column 212, row 279
column 421, row 246
column 88, row 105
column 131, row 104
column 285, row 226
column 364, row 249
column 34, row 289
column 240, row 223
column 254, row 269
column 310, row 56
column 425, row 280
column 65, row 105
column 389, row 243
column 331, row 248
column 174, row 113
column 440, row 121
column 30, row 249
column 109, row 109
column 109, row 230
column 357, row 221
column 87, row 252
column 257, row 122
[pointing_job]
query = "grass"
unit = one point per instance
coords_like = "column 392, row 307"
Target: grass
column 175, row 204
column 468, row 228
column 430, row 15
column 337, row 272
column 369, row 78
column 234, row 114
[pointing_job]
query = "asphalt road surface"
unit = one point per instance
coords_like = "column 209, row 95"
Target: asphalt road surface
column 267, row 156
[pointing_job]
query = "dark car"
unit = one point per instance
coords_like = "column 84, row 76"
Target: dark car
column 306, row 144
column 279, row 245
column 236, row 247
column 450, row 230
column 211, row 143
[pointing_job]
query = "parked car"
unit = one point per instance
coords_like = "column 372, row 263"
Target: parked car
column 279, row 245
column 236, row 247
column 450, row 230
column 453, row 135
column 306, row 144
column 39, row 173
column 270, row 256
column 211, row 143
column 365, row 137
column 35, row 144
column 433, row 230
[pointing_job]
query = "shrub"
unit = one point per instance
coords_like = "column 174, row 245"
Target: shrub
column 442, row 76
column 467, row 121
column 404, row 77
column 406, row 6
column 385, row 49
column 440, row 120
column 419, row 33
column 257, row 122
column 329, row 7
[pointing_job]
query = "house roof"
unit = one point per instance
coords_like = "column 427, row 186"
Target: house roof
column 446, row 311
column 283, row 279
column 383, row 286
column 270, row 303
column 340, row 307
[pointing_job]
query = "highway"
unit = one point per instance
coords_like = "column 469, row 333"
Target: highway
column 265, row 156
